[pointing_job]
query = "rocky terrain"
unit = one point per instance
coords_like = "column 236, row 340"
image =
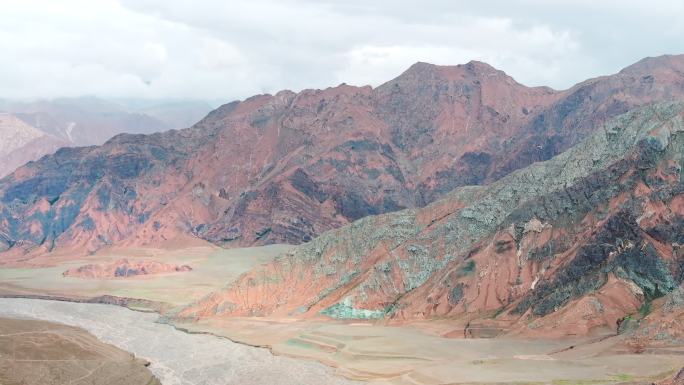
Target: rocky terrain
column 676, row 379
column 30, row 130
column 587, row 242
column 285, row 168
column 44, row 353
column 122, row 268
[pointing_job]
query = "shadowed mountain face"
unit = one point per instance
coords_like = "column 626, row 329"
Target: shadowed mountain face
column 558, row 248
column 288, row 167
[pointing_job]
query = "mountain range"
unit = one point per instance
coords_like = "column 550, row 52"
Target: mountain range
column 450, row 191
column 285, row 168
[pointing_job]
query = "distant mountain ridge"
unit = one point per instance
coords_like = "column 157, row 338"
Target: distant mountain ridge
column 82, row 122
column 290, row 166
column 88, row 121
column 22, row 143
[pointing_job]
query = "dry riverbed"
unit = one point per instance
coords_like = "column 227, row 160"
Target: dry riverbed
column 175, row 357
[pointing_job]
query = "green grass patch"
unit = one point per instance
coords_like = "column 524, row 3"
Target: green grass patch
column 624, row 377
column 579, row 382
column 619, row 378
column 299, row 343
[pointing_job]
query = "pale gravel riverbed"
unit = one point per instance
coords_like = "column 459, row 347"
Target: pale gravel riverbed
column 177, row 358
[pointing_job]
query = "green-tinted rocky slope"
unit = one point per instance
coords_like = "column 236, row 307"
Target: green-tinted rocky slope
column 603, row 218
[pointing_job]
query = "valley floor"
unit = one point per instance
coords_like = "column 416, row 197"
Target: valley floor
column 417, row 354
column 413, row 353
column 212, row 268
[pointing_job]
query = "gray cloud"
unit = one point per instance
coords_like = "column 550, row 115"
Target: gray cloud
column 217, row 49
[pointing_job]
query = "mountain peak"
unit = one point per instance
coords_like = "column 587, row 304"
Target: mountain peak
column 473, row 67
column 421, row 72
column 655, row 64
column 420, row 69
column 479, row 66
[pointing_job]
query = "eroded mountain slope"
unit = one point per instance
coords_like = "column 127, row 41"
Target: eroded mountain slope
column 567, row 245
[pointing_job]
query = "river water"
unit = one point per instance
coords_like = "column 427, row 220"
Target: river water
column 176, row 358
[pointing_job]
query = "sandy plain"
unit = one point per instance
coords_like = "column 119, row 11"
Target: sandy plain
column 212, row 268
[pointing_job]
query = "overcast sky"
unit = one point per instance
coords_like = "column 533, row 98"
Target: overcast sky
column 225, row 49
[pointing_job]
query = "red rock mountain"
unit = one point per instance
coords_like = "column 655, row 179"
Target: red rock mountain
column 123, row 268
column 581, row 243
column 290, row 166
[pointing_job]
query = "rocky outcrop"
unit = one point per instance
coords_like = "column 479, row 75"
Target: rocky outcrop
column 677, row 379
column 656, row 324
column 566, row 246
column 288, row 167
column 123, row 268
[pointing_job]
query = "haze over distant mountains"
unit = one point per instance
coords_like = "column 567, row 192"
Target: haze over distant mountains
column 29, row 130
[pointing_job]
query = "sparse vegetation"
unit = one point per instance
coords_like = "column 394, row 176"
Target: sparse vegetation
column 645, row 308
column 467, row 269
column 498, row 312
column 624, row 377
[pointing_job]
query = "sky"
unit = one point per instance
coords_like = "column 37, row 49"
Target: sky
column 231, row 49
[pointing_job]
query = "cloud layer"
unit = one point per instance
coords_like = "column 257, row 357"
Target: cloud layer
column 224, row 50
